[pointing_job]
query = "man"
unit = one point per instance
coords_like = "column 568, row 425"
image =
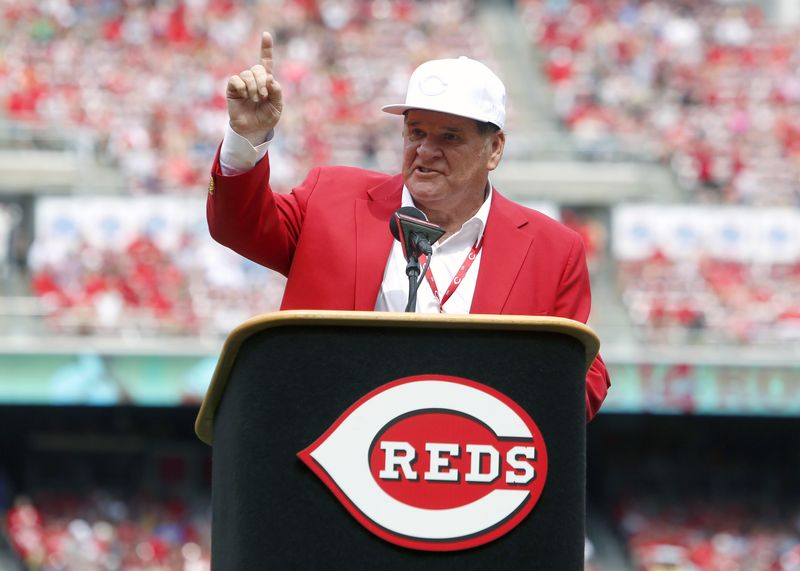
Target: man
column 330, row 236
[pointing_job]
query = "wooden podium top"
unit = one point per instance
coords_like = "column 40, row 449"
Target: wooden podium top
column 204, row 424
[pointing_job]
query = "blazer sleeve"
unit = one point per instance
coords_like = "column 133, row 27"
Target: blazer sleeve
column 574, row 300
column 245, row 215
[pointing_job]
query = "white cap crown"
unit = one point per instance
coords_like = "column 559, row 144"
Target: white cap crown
column 462, row 86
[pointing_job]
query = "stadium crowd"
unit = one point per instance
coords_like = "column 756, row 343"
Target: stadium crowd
column 711, row 536
column 66, row 532
column 712, row 91
column 716, row 274
column 709, row 88
column 101, row 267
column 713, row 301
column 147, row 79
column 699, row 492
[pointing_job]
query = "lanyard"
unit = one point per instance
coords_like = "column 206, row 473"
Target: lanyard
column 457, row 279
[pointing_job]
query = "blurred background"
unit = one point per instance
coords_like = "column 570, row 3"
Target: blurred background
column 666, row 132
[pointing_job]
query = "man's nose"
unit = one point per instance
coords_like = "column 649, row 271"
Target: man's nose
column 428, row 149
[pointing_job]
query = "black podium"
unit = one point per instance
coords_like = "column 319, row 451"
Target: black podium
column 285, row 382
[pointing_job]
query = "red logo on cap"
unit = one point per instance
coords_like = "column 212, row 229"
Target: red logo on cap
column 433, row 462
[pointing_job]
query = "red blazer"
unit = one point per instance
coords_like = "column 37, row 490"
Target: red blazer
column 331, row 238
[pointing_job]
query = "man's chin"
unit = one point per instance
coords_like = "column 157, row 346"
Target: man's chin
column 422, row 192
column 424, row 184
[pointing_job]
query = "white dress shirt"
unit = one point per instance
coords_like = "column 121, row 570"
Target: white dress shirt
column 448, row 256
column 238, row 155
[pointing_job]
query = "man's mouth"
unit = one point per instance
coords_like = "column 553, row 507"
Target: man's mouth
column 424, row 170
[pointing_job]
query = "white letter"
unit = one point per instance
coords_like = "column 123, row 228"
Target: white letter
column 393, row 461
column 476, row 451
column 437, row 462
column 528, row 473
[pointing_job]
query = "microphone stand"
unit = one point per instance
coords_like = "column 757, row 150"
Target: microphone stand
column 412, row 271
column 415, row 276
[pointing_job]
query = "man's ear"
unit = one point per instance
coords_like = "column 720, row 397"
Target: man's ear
column 496, row 145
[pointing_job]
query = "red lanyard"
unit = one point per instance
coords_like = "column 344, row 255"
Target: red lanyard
column 459, row 277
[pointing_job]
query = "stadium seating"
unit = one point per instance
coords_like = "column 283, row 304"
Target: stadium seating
column 149, row 80
column 60, row 532
column 707, row 88
column 710, row 91
column 709, row 535
column 104, row 266
column 691, row 274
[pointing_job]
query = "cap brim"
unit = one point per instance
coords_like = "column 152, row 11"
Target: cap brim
column 396, row 109
column 400, row 109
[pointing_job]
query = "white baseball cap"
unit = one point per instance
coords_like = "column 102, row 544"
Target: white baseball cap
column 462, row 86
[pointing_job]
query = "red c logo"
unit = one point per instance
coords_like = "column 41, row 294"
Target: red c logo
column 433, row 462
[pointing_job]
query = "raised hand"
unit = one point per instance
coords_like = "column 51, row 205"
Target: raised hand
column 254, row 97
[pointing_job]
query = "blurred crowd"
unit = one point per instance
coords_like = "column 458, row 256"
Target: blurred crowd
column 710, row 88
column 712, row 301
column 700, row 493
column 716, row 274
column 147, row 78
column 101, row 267
column 711, row 536
column 70, row 532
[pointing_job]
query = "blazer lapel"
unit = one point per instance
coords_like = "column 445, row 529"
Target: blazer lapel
column 505, row 247
column 373, row 239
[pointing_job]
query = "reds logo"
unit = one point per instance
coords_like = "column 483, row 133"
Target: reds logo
column 433, row 462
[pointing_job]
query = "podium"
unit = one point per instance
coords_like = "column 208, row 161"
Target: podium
column 284, row 382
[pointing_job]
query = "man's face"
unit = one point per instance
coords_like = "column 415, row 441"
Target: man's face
column 446, row 159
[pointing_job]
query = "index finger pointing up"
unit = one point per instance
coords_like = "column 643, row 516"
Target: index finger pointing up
column 266, row 51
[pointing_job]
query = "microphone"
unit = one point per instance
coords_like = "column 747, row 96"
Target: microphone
column 411, row 228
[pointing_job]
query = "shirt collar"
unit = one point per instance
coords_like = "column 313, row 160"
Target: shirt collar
column 480, row 217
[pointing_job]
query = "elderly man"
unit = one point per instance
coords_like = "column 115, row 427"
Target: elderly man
column 330, row 236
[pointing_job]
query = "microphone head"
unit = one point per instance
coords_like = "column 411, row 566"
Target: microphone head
column 409, row 211
column 411, row 228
